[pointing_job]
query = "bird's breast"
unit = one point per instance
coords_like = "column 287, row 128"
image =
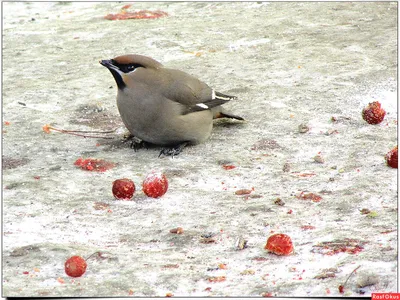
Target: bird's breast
column 158, row 120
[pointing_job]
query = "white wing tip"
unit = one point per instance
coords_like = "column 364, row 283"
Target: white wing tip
column 202, row 105
column 213, row 95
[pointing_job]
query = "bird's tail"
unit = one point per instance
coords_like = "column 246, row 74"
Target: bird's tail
column 224, row 97
column 220, row 112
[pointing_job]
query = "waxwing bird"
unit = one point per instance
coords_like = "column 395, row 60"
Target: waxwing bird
column 164, row 106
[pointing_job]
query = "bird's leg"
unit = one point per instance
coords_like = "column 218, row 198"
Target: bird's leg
column 173, row 151
column 136, row 143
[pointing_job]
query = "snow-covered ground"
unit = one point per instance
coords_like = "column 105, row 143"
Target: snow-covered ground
column 289, row 64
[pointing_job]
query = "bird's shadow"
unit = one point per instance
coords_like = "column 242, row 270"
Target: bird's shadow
column 226, row 122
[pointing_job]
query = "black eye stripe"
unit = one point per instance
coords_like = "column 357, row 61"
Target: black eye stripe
column 130, row 67
column 126, row 68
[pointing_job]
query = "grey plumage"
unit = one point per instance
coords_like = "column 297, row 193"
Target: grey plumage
column 164, row 106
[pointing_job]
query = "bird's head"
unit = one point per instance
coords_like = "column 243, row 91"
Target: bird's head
column 125, row 65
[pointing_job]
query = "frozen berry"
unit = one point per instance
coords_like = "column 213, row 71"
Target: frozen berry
column 373, row 113
column 341, row 289
column 392, row 158
column 280, row 244
column 95, row 165
column 75, row 266
column 123, row 189
column 155, row 185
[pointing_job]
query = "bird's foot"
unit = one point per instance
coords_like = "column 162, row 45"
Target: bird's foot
column 136, row 143
column 173, row 151
column 139, row 144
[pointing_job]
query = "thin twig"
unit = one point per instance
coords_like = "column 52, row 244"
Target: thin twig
column 83, row 131
column 351, row 275
column 47, row 128
column 99, row 253
column 88, row 136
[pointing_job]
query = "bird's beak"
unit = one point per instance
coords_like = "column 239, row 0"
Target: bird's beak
column 115, row 71
column 108, row 64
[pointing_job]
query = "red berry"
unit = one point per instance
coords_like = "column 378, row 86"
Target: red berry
column 280, row 244
column 392, row 158
column 123, row 189
column 373, row 113
column 341, row 289
column 155, row 185
column 96, row 165
column 75, row 266
column 228, row 167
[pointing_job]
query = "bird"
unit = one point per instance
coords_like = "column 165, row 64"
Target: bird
column 164, row 106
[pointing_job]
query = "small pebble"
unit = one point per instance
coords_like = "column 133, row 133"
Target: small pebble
column 241, row 243
column 243, row 192
column 367, row 280
column 178, row 230
column 303, row 128
column 365, row 211
column 279, row 202
column 207, row 240
column 319, row 159
column 248, row 272
column 286, row 167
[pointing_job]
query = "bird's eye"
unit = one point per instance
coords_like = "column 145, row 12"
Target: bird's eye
column 131, row 68
column 127, row 68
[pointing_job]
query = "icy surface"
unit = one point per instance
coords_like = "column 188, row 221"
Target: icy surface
column 289, row 64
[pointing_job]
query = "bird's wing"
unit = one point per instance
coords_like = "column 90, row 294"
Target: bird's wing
column 190, row 92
